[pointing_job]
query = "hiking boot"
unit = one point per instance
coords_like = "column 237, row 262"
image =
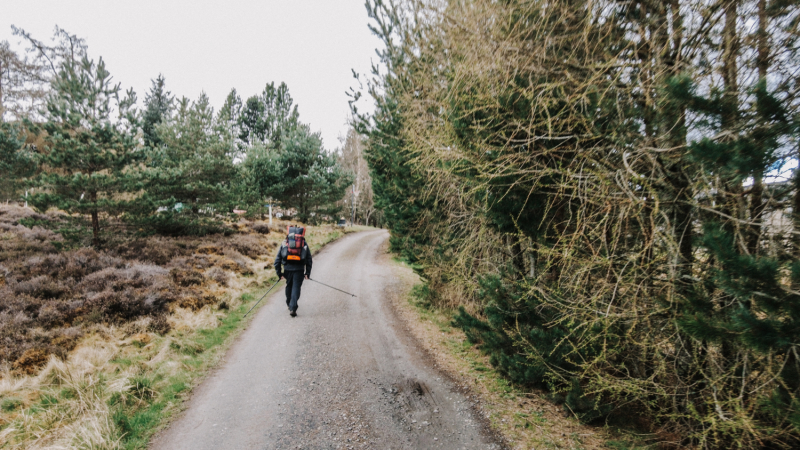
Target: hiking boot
column 293, row 313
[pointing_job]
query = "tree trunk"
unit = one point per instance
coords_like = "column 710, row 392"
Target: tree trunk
column 95, row 221
column 756, row 209
column 518, row 256
column 2, row 109
column 757, row 205
column 796, row 215
column 675, row 123
column 730, row 46
column 733, row 192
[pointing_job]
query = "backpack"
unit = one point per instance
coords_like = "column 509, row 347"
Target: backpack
column 294, row 247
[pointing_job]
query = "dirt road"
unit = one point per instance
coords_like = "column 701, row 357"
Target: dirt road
column 342, row 374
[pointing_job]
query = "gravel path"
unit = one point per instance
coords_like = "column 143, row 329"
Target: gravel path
column 340, row 375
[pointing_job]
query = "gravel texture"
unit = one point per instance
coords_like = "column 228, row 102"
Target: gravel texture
column 341, row 375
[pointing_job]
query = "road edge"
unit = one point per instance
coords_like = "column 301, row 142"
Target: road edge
column 516, row 419
column 406, row 323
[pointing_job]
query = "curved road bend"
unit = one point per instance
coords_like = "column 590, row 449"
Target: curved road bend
column 340, row 375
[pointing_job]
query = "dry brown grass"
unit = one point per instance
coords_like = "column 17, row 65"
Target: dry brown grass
column 219, row 275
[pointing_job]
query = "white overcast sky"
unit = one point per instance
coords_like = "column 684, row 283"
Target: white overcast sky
column 213, row 46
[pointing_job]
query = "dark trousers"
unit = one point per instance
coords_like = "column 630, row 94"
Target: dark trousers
column 294, row 280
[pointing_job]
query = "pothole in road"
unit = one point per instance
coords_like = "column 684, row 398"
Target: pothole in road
column 416, row 393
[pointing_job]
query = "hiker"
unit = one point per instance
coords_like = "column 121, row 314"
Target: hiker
column 295, row 257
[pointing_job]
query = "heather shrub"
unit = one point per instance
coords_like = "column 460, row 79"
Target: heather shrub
column 186, row 277
column 136, row 276
column 109, row 279
column 158, row 298
column 50, row 294
column 74, row 264
column 247, row 244
column 117, row 307
column 41, row 234
column 16, row 249
column 45, row 299
column 14, row 213
column 200, row 262
column 12, row 302
column 23, row 223
column 219, row 275
column 159, row 324
column 53, row 313
column 13, row 324
column 195, row 299
column 36, row 233
column 153, row 250
column 41, row 287
column 30, row 361
column 240, row 263
column 259, row 227
column 66, row 338
column 209, row 249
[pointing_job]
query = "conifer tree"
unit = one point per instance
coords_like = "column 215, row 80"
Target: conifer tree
column 399, row 189
column 89, row 151
column 187, row 178
column 228, row 124
column 22, row 84
column 16, row 160
column 251, row 121
column 157, row 109
column 265, row 118
column 25, row 79
column 302, row 175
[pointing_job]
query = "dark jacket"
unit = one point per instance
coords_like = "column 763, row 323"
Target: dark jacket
column 292, row 266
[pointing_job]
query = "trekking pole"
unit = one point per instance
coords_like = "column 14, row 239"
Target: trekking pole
column 262, row 298
column 315, row 281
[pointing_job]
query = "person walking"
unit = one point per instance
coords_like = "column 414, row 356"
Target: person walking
column 295, row 258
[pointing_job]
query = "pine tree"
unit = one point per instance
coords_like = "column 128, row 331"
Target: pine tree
column 228, row 124
column 188, row 177
column 746, row 303
column 251, row 121
column 265, row 118
column 399, row 189
column 25, row 79
column 302, row 175
column 157, row 109
column 17, row 161
column 89, row 151
column 22, row 84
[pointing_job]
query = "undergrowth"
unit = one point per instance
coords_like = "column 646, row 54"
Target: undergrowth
column 526, row 418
